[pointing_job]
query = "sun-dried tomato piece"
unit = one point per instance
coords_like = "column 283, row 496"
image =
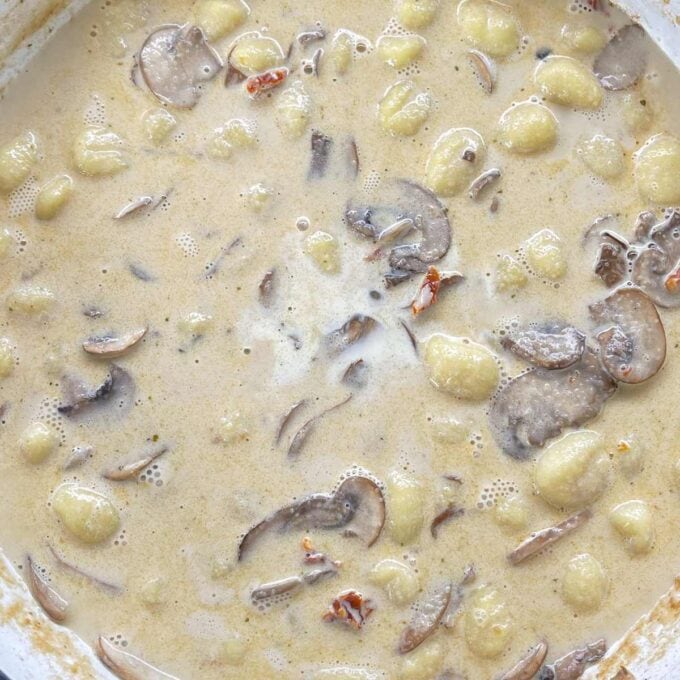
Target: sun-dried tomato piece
column 351, row 608
column 256, row 85
column 430, row 287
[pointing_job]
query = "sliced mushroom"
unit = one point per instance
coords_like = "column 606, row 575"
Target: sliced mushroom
column 268, row 590
column 301, row 435
column 287, row 418
column 110, row 347
column 632, row 340
column 266, row 288
column 623, row 60
column 411, row 336
column 133, row 207
column 478, row 185
column 527, row 667
column 484, row 68
column 545, row 537
column 355, row 374
column 78, row 456
column 354, row 329
column 125, row 665
column 357, row 506
column 128, row 471
column 118, row 389
column 429, row 613
column 352, row 157
column 447, row 514
column 572, row 666
column 537, row 405
column 307, row 37
column 111, row 588
column 611, row 264
column 174, row 60
column 550, row 348
column 54, row 605
column 321, row 149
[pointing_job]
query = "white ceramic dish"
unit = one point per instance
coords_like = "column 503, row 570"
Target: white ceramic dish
column 34, row 648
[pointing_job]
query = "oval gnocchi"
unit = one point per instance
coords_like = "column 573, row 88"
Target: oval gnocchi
column 88, row 515
column 527, row 128
column 454, row 161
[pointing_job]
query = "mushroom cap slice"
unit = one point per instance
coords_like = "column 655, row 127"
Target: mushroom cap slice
column 125, row 665
column 551, row 348
column 632, row 338
column 357, row 506
column 174, row 60
column 428, row 615
column 81, row 400
column 48, row 598
column 622, row 61
column 537, row 405
column 110, row 347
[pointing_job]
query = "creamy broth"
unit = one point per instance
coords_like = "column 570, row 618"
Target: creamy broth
column 217, row 369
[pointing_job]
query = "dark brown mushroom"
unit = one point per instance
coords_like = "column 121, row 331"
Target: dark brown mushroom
column 623, row 60
column 611, row 264
column 527, row 667
column 175, row 60
column 631, row 337
column 428, row 614
column 354, row 329
column 572, row 666
column 537, row 405
column 357, row 507
column 554, row 347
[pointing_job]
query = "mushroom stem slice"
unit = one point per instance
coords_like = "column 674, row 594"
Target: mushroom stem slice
column 478, row 185
column 133, row 207
column 527, row 667
column 275, row 588
column 447, row 514
column 484, row 68
column 283, row 424
column 429, row 613
column 549, row 349
column 572, row 666
column 545, row 537
column 301, row 435
column 125, row 665
column 123, row 473
column 623, row 60
column 321, row 146
column 354, row 329
column 54, row 605
column 114, row 346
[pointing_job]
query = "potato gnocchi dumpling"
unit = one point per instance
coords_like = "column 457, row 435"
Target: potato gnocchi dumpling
column 488, row 623
column 585, row 583
column 545, row 255
column 573, row 471
column 490, row 26
column 254, row 54
column 97, row 151
column 528, row 127
column 510, row 275
column 53, row 196
column 637, row 111
column 413, row 14
column 235, row 134
column 158, row 124
column 657, row 169
column 293, row 110
column 399, row 581
column 634, row 523
column 424, row 662
column 17, row 158
column 7, row 358
column 196, row 323
column 461, row 367
column 405, row 507
column 233, row 428
column 88, row 515
column 584, row 39
column 341, row 53
column 454, row 161
column 567, row 81
column 603, row 155
column 37, row 442
column 152, row 591
column 511, row 512
column 400, row 50
column 324, row 249
column 6, row 242
column 218, row 18
column 257, row 197
column 31, row 299
column 403, row 109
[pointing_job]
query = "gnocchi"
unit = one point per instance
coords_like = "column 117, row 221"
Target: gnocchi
column 603, row 155
column 97, row 151
column 449, row 430
column 585, row 39
column 342, row 51
column 657, row 169
column 490, row 26
column 633, row 521
column 403, row 109
column 233, row 651
column 584, row 583
column 400, row 50
column 413, row 14
column 31, row 299
column 545, row 255
column 406, row 507
column 511, row 512
column 6, row 358
column 17, row 158
column 196, row 323
column 573, row 471
column 6, row 242
column 151, row 592
column 293, row 110
column 454, row 161
column 218, row 18
column 324, row 250
column 424, row 662
column 398, row 579
column 527, row 128
column 158, row 124
column 510, row 275
column 88, row 515
column 257, row 197
column 254, row 54
column 488, row 623
column 53, row 197
column 233, row 428
column 461, row 367
column 567, row 81
column 235, row 134
column 37, row 442
column 637, row 111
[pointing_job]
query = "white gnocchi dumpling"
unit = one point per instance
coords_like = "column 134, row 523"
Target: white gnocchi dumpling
column 196, row 323
column 545, row 255
column 235, row 134
column 98, row 151
column 7, row 359
column 424, row 662
column 30, row 299
column 637, row 111
column 324, row 250
column 454, row 161
column 233, row 428
column 528, row 127
column 584, row 583
column 399, row 581
column 158, row 124
column 293, row 110
column 490, row 26
column 634, row 523
column 341, row 53
column 573, row 471
column 511, row 512
column 403, row 109
column 152, row 591
column 256, row 53
column 53, row 196
column 510, row 275
column 449, row 430
column 413, row 14
column 567, row 81
column 461, row 367
column 400, row 50
column 218, row 18
column 37, row 442
column 488, row 623
column 657, row 169
column 406, row 507
column 585, row 39
column 88, row 515
column 603, row 155
column 17, row 158
column 6, row 242
column 257, row 197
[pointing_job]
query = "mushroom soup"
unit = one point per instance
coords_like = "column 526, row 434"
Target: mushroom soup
column 338, row 340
